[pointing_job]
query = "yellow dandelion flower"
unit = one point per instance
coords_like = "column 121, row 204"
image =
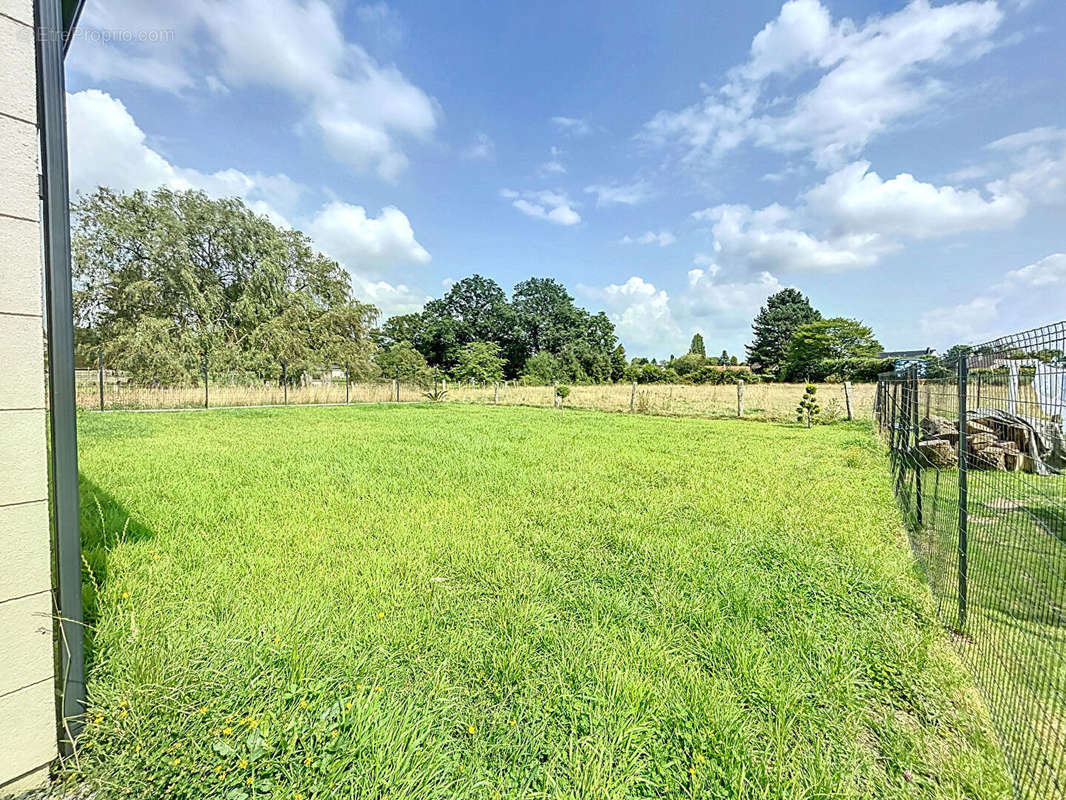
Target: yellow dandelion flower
column 276, row 639
column 377, row 688
column 307, row 761
column 298, row 796
column 359, row 687
column 334, row 734
column 303, row 704
column 249, row 780
column 347, row 706
column 253, row 724
column 470, row 730
column 203, row 711
column 699, row 758
column 244, row 763
column 175, row 762
column 125, row 595
column 513, row 723
column 155, row 556
column 123, row 714
column 227, row 731
column 381, row 615
column 691, row 770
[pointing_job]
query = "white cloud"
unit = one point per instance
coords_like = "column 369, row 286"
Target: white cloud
column 361, row 109
column 482, row 149
column 641, row 314
column 625, row 194
column 390, row 299
column 856, row 199
column 662, row 238
column 868, row 77
column 767, row 239
column 551, row 206
column 554, row 166
column 724, row 310
column 1024, row 298
column 364, row 243
column 572, row 126
column 107, row 148
column 383, row 21
column 852, row 219
column 1035, row 161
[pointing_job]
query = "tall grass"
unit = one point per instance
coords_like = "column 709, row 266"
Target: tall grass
column 441, row 601
column 762, row 401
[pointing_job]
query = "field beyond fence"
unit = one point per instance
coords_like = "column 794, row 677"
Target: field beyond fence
column 774, row 402
column 977, row 459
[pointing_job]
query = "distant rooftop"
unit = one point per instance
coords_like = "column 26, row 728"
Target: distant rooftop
column 929, row 351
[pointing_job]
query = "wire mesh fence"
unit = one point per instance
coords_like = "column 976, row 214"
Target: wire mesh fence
column 101, row 388
column 977, row 456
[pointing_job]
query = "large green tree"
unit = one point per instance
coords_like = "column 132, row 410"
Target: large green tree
column 773, row 327
column 541, row 317
column 697, row 347
column 828, row 340
column 481, row 362
column 162, row 277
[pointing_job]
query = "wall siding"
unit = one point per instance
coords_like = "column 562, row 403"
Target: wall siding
column 27, row 687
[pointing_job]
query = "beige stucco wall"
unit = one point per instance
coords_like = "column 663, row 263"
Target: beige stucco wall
column 27, row 694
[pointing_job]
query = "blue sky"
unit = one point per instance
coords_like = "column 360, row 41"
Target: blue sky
column 671, row 163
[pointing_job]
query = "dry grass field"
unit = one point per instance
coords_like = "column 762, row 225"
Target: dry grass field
column 774, row 402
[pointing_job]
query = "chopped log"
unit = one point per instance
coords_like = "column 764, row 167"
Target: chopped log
column 938, row 453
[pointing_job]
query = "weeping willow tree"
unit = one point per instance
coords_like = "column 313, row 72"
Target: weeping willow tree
column 164, row 278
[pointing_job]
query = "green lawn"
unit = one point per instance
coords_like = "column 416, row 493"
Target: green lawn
column 455, row 601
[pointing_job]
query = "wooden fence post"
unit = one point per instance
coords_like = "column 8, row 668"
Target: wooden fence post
column 740, row 398
column 495, row 393
column 555, row 394
column 633, row 398
column 847, row 400
column 396, row 389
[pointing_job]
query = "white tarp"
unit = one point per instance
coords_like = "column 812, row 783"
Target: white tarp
column 1050, row 386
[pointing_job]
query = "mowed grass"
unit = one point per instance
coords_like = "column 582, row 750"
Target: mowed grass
column 448, row 601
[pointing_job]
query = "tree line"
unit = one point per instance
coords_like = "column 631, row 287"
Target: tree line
column 168, row 280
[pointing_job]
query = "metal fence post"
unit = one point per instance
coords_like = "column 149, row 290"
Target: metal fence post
column 917, row 438
column 963, row 505
column 205, row 379
column 100, row 374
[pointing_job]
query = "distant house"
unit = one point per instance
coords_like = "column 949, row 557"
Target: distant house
column 929, row 351
column 905, row 359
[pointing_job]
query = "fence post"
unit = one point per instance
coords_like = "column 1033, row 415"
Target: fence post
column 495, row 393
column 555, row 394
column 347, row 382
column 285, row 381
column 633, row 398
column 978, row 403
column 917, row 438
column 100, row 373
column 847, row 400
column 740, row 398
column 205, row 380
column 396, row 385
column 964, row 371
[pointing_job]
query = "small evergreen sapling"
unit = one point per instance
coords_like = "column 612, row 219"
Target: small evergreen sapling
column 808, row 409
